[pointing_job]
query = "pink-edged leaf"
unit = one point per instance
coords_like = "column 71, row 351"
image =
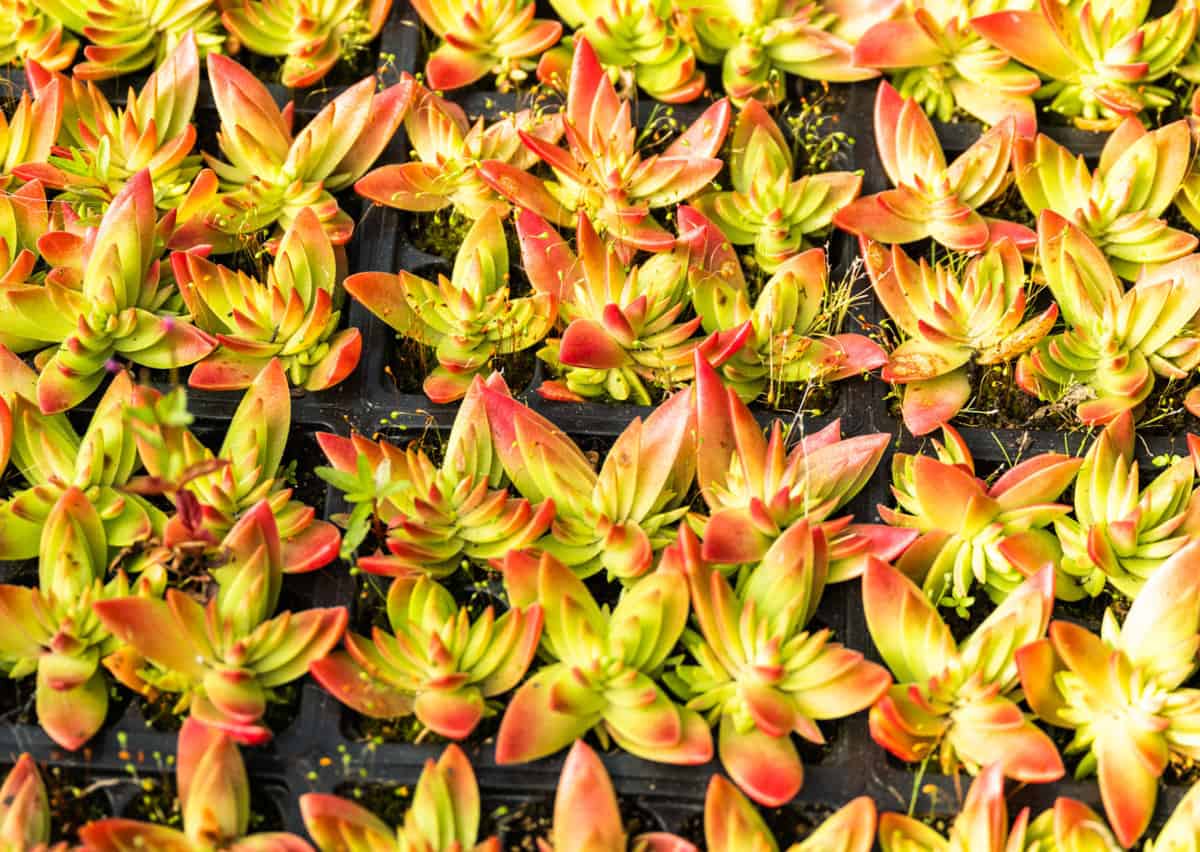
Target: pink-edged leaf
column 766, row 768
column 906, row 628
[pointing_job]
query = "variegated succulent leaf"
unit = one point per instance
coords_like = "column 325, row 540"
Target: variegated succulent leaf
column 29, row 34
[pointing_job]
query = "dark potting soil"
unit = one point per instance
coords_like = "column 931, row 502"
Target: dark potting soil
column 75, row 799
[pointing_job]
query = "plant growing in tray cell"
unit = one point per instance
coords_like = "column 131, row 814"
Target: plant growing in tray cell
column 951, row 319
column 758, row 673
column 790, row 327
column 444, row 815
column 434, row 516
column 1121, row 204
column 1115, row 340
column 482, row 37
column 291, row 316
column 1119, row 535
column 53, row 458
column 587, row 816
column 273, row 174
column 435, row 663
column 53, row 630
column 212, row 491
column 640, row 41
column 29, row 34
column 602, row 667
column 311, row 37
column 973, row 532
column 469, row 318
column 25, row 814
column 447, row 150
column 106, row 299
column 1070, row 824
column 214, row 799
column 100, row 149
column 616, row 519
column 935, row 56
column 956, row 703
column 623, row 322
column 757, row 44
column 931, row 199
column 129, row 35
column 1123, row 692
column 601, row 173
column 768, row 207
column 755, row 488
column 225, row 656
column 731, row 824
column 1101, row 58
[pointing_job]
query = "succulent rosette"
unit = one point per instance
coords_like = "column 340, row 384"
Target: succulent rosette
column 443, row 815
column 975, row 533
column 469, row 318
column 214, row 799
column 956, row 703
column 934, row 55
column 1120, row 205
column 436, row 516
column 29, row 34
column 931, row 198
column 311, row 37
column 1116, row 341
column 225, row 658
column 28, row 134
column 482, row 37
column 602, row 667
column 768, row 206
column 731, row 824
column 759, row 674
column 601, row 172
column 447, row 150
column 1102, row 59
column 1123, row 692
column 949, row 322
column 436, row 663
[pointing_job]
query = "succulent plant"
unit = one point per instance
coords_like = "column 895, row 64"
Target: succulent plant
column 29, row 133
column 932, row 199
column 25, row 810
column 623, row 327
column 935, row 56
column 311, row 37
column 1102, row 58
column 291, row 316
column 790, row 325
column 122, row 307
column 1116, row 340
column 128, row 35
column 1070, row 824
column 616, row 519
column 223, row 487
column 52, row 630
column 52, row 458
column 768, row 207
column 759, row 675
column 468, row 318
column 436, row 663
column 1188, row 198
column 601, row 668
column 1122, row 692
column 100, row 149
column 29, row 34
column 446, row 151
column 758, row 43
column 957, row 702
column 731, row 824
column 601, row 172
column 214, row 799
column 435, row 516
column 586, row 814
column 444, row 815
column 975, row 533
column 755, row 488
column 482, row 37
column 1118, row 534
column 272, row 174
column 949, row 322
column 981, row 823
column 639, row 40
column 1120, row 205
